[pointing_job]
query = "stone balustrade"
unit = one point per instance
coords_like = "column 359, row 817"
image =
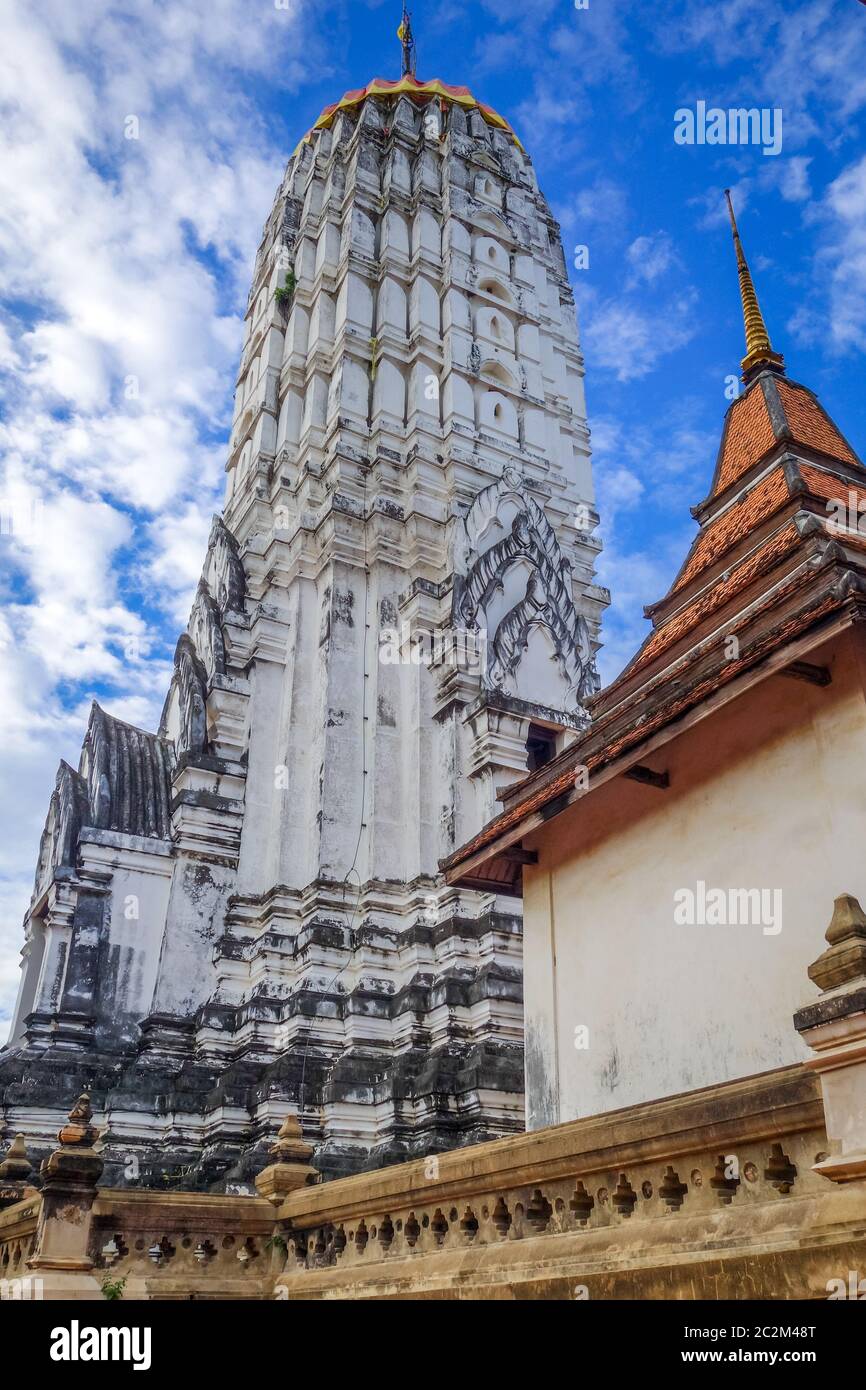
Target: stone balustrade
column 720, row 1193
column 751, row 1189
column 18, row 1223
column 184, row 1244
column 708, row 1195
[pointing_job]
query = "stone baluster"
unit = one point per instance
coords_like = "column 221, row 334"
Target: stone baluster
column 15, row 1172
column 70, row 1174
column 834, row 1027
column 290, row 1168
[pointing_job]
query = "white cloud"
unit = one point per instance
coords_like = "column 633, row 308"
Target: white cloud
column 179, row 542
column 647, row 475
column 649, row 257
column 793, row 176
column 629, row 337
column 125, row 264
column 598, row 206
column 834, row 311
column 846, row 201
column 812, row 59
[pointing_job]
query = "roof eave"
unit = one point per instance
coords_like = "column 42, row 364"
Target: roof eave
column 457, row 871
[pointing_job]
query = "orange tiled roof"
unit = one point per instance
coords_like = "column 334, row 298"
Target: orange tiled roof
column 809, row 425
column 719, row 535
column 769, row 413
column 829, row 487
column 738, row 522
column 749, row 435
column 542, row 795
column 761, row 561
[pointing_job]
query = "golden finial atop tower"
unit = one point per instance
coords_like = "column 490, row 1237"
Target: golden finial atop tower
column 407, row 39
column 759, row 350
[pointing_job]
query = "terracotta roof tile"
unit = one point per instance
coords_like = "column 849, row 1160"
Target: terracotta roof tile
column 540, row 797
column 765, row 558
column 719, row 535
column 830, row 487
column 809, row 425
column 634, row 736
column 748, row 437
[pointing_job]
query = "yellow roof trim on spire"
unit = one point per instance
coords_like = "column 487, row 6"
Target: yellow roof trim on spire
column 410, row 86
column 759, row 349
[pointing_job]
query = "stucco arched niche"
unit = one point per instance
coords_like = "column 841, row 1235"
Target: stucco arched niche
column 252, row 377
column 528, row 342
column 535, row 429
column 323, row 320
column 425, row 233
column 391, row 308
column 389, row 392
column 355, row 305
column 297, row 332
column 458, row 401
column 315, row 402
column 457, row 237
column 424, row 392
column 359, row 233
column 496, row 373
column 497, row 415
column 291, row 414
column 487, row 252
column 395, row 234
column 494, row 326
column 424, row 305
column 231, row 480
column 499, row 289
column 244, row 461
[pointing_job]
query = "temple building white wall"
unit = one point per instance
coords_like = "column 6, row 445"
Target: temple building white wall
column 765, row 794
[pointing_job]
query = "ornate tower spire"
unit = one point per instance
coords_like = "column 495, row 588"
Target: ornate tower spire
column 407, row 39
column 759, row 350
column 401, row 581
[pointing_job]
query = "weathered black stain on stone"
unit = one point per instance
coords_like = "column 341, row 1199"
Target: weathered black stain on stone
column 385, row 713
column 88, row 933
column 342, row 607
column 609, row 1074
column 388, row 613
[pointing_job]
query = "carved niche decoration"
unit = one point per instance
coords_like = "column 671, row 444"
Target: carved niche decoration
column 189, row 687
column 223, row 572
column 487, row 550
column 126, row 774
column 68, row 810
column 206, row 631
column 201, row 652
column 96, row 758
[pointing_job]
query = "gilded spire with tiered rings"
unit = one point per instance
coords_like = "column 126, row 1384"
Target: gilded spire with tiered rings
column 759, row 349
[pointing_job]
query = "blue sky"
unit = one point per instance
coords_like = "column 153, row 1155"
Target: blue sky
column 126, row 264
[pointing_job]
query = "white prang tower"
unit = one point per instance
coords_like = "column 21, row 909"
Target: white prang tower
column 396, row 617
